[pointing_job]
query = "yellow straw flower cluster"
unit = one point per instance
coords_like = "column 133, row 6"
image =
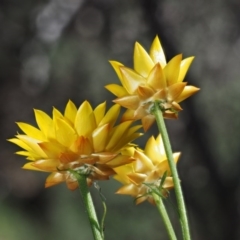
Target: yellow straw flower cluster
column 152, row 79
column 148, row 170
column 83, row 140
column 88, row 141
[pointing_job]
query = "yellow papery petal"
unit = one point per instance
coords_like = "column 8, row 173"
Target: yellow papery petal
column 140, row 113
column 176, row 106
column 157, row 53
column 152, row 176
column 46, row 165
column 100, row 136
column 82, row 146
column 117, row 90
column 137, row 178
column 142, row 198
column 129, row 189
column 70, row 111
column 56, row 114
column 161, row 94
column 31, row 131
column 187, row 92
column 163, row 167
column 31, row 156
column 33, row 144
column 73, row 185
column 105, row 157
column 156, row 78
column 133, row 130
column 29, row 166
column 20, row 143
column 130, row 138
column 127, row 115
column 168, row 183
column 129, row 151
column 120, row 179
column 52, row 150
column 117, row 134
column 24, row 153
column 116, row 66
column 65, row 134
column 152, row 150
column 170, row 115
column 54, row 178
column 176, row 156
column 175, row 90
column 145, row 92
column 171, row 70
column 184, row 66
column 121, row 173
column 150, row 147
column 68, row 157
column 103, row 170
column 44, row 122
column 147, row 122
column 111, row 116
column 99, row 112
column 85, row 120
column 131, row 80
column 131, row 101
column 142, row 61
column 143, row 163
column 130, row 135
column 120, row 160
column 159, row 142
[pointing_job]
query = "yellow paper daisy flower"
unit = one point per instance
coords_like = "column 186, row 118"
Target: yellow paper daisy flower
column 152, row 79
column 148, row 171
column 83, row 140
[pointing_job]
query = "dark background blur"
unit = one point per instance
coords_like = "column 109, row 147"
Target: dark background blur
column 55, row 50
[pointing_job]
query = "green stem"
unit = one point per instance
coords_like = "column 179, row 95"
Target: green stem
column 104, row 216
column 178, row 190
column 164, row 214
column 88, row 203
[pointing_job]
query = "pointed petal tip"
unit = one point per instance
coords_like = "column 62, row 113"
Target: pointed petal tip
column 197, row 89
column 191, row 58
column 115, row 64
column 156, row 40
column 137, row 45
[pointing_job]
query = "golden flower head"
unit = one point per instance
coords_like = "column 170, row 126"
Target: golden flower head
column 82, row 140
column 152, row 79
column 149, row 170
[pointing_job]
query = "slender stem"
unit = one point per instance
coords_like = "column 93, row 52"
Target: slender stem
column 88, row 203
column 178, row 190
column 104, row 216
column 103, row 199
column 164, row 214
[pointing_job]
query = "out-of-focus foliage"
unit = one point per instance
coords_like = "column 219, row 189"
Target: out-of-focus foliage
column 55, row 50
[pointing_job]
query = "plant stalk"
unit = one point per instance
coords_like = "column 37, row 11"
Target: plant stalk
column 89, row 206
column 177, row 186
column 162, row 210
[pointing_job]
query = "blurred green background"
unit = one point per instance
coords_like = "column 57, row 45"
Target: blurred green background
column 55, row 50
